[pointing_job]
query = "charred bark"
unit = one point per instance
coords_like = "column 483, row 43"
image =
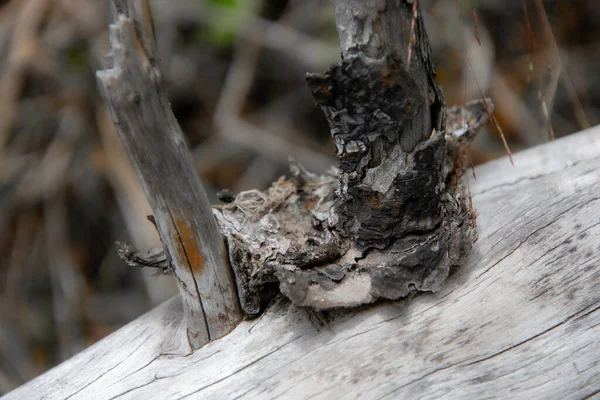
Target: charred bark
column 392, row 219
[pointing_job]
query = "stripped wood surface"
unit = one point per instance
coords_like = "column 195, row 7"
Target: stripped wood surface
column 520, row 319
column 140, row 109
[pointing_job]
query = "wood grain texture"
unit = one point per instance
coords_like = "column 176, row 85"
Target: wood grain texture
column 140, row 109
column 521, row 319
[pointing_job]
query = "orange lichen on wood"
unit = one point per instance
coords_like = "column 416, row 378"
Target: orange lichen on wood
column 189, row 249
column 141, row 52
column 374, row 201
column 311, row 205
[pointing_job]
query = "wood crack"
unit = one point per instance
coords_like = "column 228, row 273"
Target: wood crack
column 511, row 222
column 592, row 395
column 250, row 364
column 107, row 371
column 572, row 317
column 559, row 216
column 198, row 295
column 133, row 389
column 418, row 379
column 183, row 371
column 567, row 240
column 531, row 178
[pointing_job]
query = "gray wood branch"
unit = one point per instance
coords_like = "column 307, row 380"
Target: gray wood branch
column 521, row 318
column 156, row 146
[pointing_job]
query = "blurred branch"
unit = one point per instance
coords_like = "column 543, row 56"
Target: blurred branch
column 578, row 108
column 23, row 48
column 227, row 115
column 68, row 285
column 517, row 114
column 302, row 48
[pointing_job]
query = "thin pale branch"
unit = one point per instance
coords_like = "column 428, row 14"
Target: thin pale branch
column 140, row 109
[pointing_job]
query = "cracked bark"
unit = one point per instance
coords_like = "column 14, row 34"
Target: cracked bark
column 140, row 109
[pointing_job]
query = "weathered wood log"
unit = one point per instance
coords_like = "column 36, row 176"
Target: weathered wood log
column 521, row 318
column 156, row 146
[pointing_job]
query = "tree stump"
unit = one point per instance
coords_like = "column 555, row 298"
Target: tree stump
column 393, row 217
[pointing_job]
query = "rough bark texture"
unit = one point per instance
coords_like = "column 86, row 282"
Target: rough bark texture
column 384, row 30
column 392, row 218
column 289, row 238
column 155, row 144
column 520, row 319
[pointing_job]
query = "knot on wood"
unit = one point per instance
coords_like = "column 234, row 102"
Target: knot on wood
column 155, row 257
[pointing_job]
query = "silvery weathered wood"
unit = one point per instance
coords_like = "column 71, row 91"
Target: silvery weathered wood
column 156, row 146
column 521, row 319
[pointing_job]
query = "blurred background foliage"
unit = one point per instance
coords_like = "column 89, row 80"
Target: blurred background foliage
column 235, row 73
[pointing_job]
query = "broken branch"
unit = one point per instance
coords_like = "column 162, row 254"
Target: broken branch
column 140, row 109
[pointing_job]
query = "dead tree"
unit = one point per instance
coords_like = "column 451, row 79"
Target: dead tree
column 389, row 221
column 520, row 314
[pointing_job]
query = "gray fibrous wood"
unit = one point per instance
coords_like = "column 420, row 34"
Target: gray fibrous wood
column 155, row 144
column 520, row 318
